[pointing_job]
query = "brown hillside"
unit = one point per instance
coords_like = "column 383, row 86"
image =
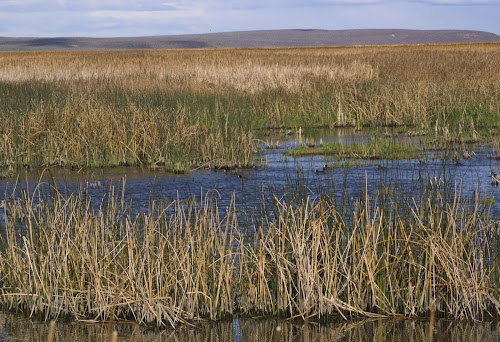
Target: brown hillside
column 270, row 38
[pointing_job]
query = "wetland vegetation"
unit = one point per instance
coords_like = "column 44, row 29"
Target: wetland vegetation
column 184, row 109
column 385, row 256
column 373, row 150
column 406, row 247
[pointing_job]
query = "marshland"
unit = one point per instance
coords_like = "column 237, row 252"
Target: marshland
column 347, row 187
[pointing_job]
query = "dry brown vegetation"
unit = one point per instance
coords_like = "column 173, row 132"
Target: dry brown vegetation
column 183, row 109
column 187, row 70
column 187, row 108
column 188, row 261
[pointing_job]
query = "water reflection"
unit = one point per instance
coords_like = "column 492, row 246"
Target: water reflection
column 16, row 328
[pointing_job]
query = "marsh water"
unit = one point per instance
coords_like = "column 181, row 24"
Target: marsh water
column 18, row 328
column 283, row 176
column 286, row 178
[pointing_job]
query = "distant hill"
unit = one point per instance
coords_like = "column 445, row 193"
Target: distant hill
column 269, row 38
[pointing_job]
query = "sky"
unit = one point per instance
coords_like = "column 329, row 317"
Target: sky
column 125, row 18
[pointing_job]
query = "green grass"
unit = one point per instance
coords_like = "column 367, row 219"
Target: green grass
column 467, row 123
column 374, row 150
column 347, row 164
column 487, row 201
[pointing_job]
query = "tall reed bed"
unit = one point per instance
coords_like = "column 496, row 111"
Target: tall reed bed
column 67, row 256
column 62, row 257
column 313, row 262
column 89, row 127
column 189, row 108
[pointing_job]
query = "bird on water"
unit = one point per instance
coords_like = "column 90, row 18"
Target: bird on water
column 495, row 179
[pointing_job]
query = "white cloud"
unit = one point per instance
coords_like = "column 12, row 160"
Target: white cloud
column 88, row 5
column 149, row 17
column 463, row 2
column 162, row 5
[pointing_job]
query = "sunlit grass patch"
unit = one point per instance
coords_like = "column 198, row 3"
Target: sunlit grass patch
column 372, row 150
column 346, row 164
column 487, row 201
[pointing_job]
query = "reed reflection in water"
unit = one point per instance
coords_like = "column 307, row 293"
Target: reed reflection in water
column 18, row 328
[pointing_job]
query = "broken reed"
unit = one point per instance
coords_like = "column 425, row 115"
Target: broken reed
column 177, row 263
column 180, row 109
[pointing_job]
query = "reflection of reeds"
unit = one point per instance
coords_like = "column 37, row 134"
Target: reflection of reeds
column 52, row 327
column 310, row 260
column 365, row 330
column 256, row 330
column 160, row 108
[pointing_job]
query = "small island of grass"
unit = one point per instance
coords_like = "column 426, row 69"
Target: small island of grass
column 372, row 150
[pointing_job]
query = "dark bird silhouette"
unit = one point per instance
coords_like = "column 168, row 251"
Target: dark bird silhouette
column 495, row 179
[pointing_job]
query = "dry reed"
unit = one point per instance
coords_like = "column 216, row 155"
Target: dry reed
column 105, row 264
column 314, row 262
column 164, row 108
column 63, row 256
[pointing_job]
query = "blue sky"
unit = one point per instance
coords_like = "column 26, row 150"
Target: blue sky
column 115, row 18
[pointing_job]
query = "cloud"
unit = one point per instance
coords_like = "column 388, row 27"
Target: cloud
column 30, row 6
column 147, row 15
column 463, row 2
column 90, row 5
column 101, row 18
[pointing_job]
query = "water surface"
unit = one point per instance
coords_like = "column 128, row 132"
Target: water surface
column 285, row 177
column 18, row 328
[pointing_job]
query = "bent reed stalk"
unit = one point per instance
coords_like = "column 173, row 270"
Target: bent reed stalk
column 182, row 262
